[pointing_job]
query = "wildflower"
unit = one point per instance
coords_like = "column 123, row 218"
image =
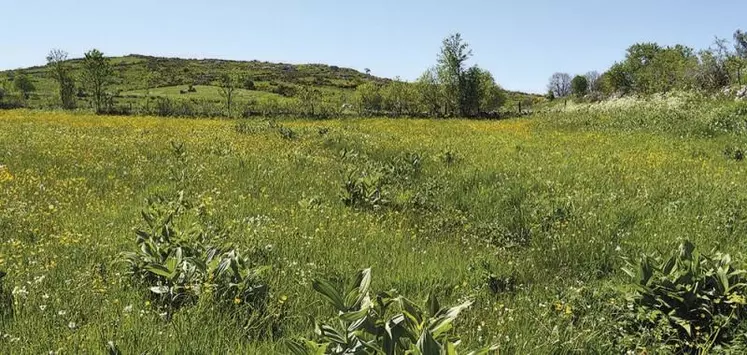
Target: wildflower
column 236, row 300
column 5, row 174
column 128, row 309
column 61, row 313
column 43, row 307
column 72, row 325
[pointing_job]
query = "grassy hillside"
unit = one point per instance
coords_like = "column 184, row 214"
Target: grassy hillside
column 530, row 218
column 137, row 76
column 139, row 80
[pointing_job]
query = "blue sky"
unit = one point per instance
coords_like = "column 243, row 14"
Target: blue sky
column 521, row 42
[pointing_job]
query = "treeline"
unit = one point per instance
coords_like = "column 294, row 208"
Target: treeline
column 650, row 68
column 451, row 88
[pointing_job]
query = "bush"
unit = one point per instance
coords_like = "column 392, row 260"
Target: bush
column 688, row 303
column 383, row 324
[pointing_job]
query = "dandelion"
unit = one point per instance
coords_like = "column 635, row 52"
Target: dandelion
column 237, row 300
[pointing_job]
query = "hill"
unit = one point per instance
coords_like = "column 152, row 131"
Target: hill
column 140, row 75
column 191, row 86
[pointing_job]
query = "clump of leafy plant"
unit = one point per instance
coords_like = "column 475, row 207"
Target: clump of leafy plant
column 689, row 303
column 248, row 128
column 734, row 153
column 449, row 157
column 178, row 265
column 363, row 189
column 287, row 133
column 382, row 324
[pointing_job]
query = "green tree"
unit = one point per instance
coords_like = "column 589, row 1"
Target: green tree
column 398, row 97
column 617, row 80
column 228, row 83
column 469, row 103
column 22, row 82
column 368, row 98
column 429, row 93
column 579, row 85
column 97, row 75
column 451, row 69
column 56, row 60
column 492, row 96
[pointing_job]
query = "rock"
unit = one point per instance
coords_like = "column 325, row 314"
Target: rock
column 742, row 93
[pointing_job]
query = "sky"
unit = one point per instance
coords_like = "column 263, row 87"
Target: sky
column 521, row 42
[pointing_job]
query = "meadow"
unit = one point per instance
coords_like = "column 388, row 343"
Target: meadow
column 530, row 218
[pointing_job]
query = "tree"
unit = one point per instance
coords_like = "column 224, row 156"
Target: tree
column 228, row 83
column 713, row 70
column 560, row 84
column 451, row 67
column 579, row 85
column 97, row 75
column 740, row 49
column 469, row 103
column 617, row 80
column 368, row 97
column 429, row 93
column 398, row 97
column 492, row 97
column 22, row 82
column 61, row 74
column 593, row 79
column 368, row 71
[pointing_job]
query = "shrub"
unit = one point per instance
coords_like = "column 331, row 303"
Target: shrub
column 689, row 303
column 383, row 324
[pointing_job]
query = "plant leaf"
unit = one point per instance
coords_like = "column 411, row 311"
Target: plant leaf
column 427, row 344
column 328, row 290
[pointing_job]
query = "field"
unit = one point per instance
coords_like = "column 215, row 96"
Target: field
column 531, row 218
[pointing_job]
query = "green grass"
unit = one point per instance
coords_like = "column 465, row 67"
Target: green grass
column 551, row 205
